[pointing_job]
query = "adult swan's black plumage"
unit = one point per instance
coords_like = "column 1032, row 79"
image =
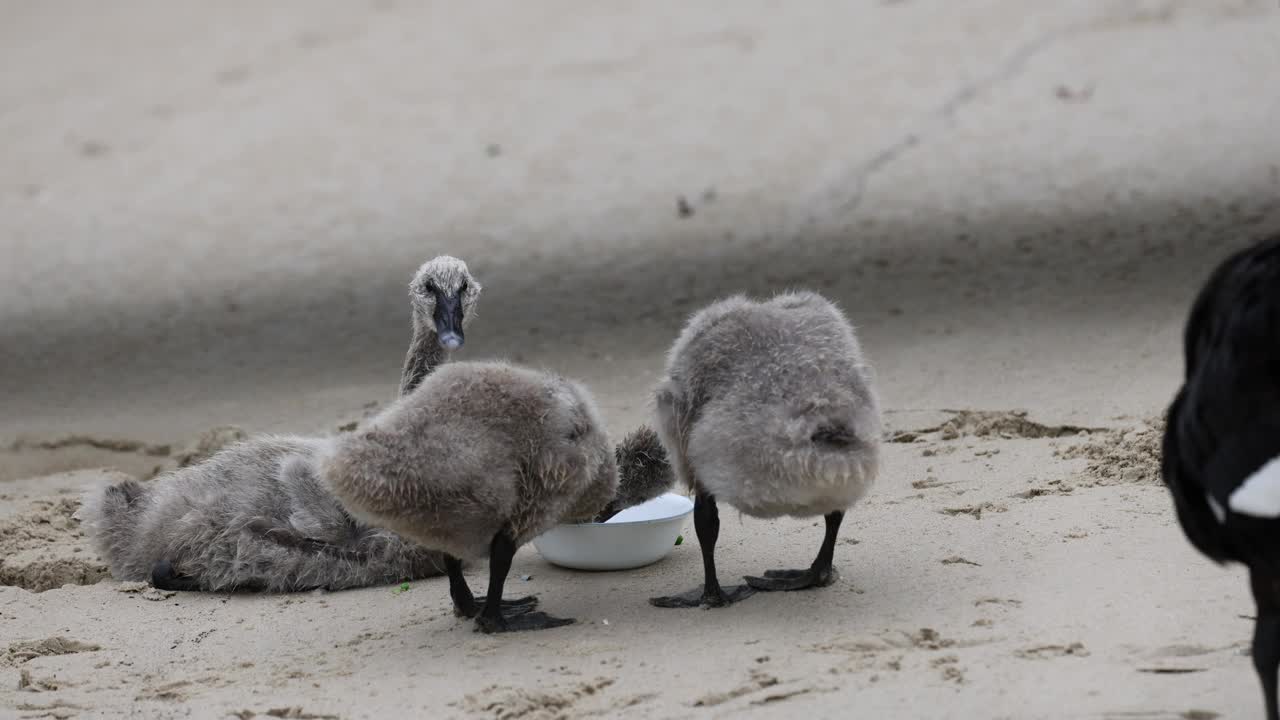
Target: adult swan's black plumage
column 1222, row 443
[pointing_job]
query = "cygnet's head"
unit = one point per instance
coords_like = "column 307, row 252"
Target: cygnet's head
column 443, row 295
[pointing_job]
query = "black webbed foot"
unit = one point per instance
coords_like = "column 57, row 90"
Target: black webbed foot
column 520, row 622
column 502, row 615
column 165, row 577
column 465, row 605
column 510, row 608
column 706, row 522
column 819, row 574
column 700, row 597
column 783, row 580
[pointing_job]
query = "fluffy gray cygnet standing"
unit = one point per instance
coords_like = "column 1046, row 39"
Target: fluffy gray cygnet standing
column 477, row 461
column 769, row 406
column 255, row 516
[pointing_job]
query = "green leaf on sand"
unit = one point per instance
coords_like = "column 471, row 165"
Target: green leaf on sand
column 679, row 539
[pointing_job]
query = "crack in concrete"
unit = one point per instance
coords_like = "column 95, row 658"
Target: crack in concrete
column 970, row 92
column 1009, row 69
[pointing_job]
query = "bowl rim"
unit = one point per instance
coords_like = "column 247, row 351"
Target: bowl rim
column 630, row 523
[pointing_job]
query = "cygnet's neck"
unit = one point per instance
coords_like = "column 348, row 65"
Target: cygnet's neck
column 425, row 354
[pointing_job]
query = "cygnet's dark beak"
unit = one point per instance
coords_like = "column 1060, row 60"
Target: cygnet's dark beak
column 448, row 319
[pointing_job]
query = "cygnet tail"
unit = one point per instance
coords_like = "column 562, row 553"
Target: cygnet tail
column 644, row 471
column 109, row 516
column 823, row 458
column 820, row 426
column 834, row 435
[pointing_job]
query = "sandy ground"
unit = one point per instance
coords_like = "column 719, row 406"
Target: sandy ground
column 208, row 216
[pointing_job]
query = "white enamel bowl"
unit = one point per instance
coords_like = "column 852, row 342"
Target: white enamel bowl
column 638, row 536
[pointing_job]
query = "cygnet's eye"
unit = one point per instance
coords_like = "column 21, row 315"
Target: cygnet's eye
column 462, row 289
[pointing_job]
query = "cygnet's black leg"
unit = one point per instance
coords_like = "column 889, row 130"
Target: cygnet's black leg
column 165, row 577
column 466, row 605
column 820, row 574
column 1266, row 637
column 491, row 618
column 706, row 521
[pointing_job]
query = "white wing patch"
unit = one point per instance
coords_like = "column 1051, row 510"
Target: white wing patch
column 1259, row 495
column 1216, row 507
